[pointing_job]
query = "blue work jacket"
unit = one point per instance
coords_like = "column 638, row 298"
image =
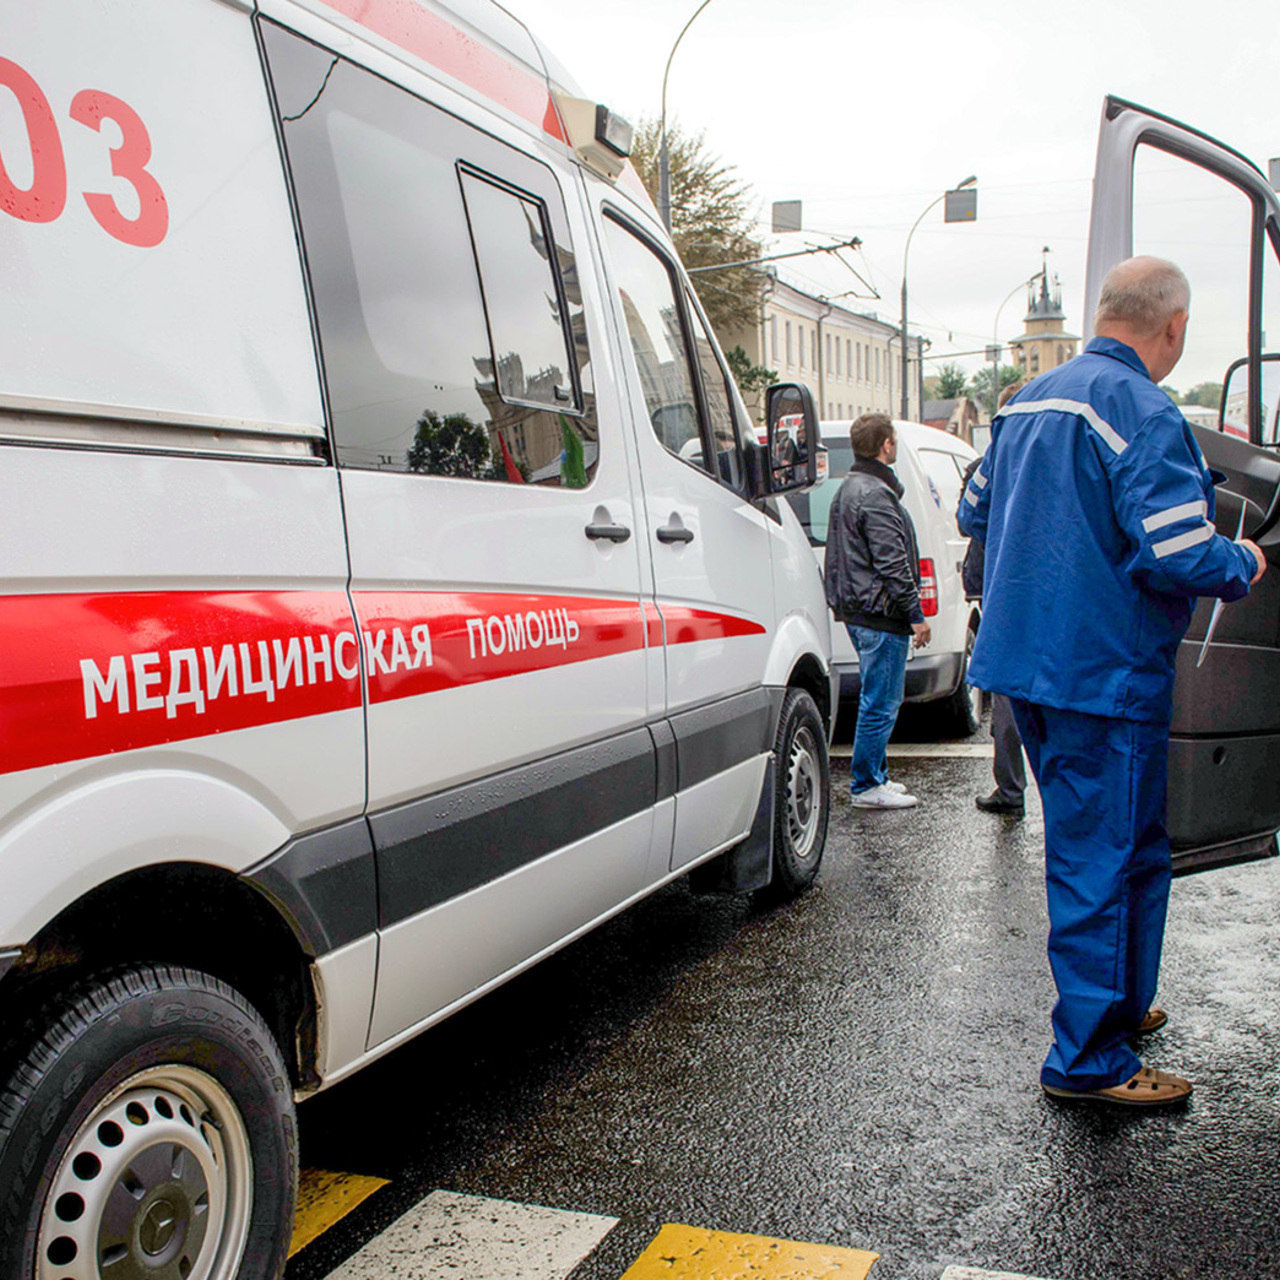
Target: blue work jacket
column 1096, row 508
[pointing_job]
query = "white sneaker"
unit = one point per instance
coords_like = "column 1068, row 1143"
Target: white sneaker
column 883, row 797
column 897, row 787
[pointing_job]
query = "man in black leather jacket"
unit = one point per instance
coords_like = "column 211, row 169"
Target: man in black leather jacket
column 873, row 587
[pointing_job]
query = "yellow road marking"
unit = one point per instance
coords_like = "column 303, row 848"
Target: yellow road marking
column 690, row 1253
column 323, row 1199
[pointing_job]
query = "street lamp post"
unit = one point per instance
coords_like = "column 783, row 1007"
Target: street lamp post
column 664, row 165
column 961, row 186
column 993, row 351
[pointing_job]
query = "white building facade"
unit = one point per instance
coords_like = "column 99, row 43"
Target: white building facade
column 851, row 362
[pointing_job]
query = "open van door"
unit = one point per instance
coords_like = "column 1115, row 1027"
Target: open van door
column 1165, row 189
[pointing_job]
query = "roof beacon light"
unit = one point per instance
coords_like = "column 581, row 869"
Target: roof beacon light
column 613, row 131
column 600, row 139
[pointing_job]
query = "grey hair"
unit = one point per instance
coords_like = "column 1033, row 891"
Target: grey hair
column 1142, row 294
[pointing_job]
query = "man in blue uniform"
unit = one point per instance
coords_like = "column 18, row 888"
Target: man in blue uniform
column 1096, row 508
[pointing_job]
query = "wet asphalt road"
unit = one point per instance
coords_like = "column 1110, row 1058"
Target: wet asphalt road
column 856, row 1068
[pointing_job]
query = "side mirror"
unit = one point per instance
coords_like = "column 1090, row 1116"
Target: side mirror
column 792, row 441
column 1233, row 411
column 1233, row 408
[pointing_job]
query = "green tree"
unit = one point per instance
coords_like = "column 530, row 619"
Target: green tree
column 450, row 446
column 952, row 382
column 712, row 220
column 1208, row 395
column 1172, row 392
column 753, row 379
column 980, row 388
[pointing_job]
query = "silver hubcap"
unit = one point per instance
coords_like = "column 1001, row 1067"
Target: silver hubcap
column 156, row 1185
column 804, row 794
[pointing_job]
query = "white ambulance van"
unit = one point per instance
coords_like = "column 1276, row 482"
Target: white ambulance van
column 368, row 631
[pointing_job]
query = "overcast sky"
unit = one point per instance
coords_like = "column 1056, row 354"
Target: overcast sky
column 867, row 111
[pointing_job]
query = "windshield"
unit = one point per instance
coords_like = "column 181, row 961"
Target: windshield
column 813, row 506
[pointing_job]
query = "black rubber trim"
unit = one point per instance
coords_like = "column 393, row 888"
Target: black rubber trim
column 337, row 885
column 324, row 884
column 1249, row 849
column 664, row 744
column 747, row 866
column 434, row 849
column 8, row 959
column 714, row 738
column 1117, row 106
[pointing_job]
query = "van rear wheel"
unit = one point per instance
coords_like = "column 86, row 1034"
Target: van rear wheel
column 148, row 1131
column 960, row 714
column 802, row 801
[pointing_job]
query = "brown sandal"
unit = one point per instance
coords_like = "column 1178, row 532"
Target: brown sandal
column 1148, row 1088
column 1153, row 1021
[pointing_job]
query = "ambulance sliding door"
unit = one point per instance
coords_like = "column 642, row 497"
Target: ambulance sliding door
column 490, row 521
column 1166, row 190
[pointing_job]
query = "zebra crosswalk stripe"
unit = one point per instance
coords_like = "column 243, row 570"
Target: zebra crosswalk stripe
column 692, row 1253
column 454, row 1236
column 977, row 1273
column 450, row 1235
column 325, row 1198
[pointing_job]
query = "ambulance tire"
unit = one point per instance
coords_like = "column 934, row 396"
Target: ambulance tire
column 149, row 1122
column 802, row 800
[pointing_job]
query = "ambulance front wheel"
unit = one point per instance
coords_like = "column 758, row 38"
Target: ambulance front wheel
column 147, row 1130
column 802, row 801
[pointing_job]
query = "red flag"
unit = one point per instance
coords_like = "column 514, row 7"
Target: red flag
column 513, row 472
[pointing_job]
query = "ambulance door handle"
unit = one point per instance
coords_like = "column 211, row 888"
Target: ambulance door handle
column 675, row 533
column 614, row 532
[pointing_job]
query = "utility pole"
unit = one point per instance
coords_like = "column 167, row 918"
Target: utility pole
column 962, row 206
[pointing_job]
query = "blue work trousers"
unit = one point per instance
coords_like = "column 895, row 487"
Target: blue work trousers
column 1103, row 784
column 882, row 673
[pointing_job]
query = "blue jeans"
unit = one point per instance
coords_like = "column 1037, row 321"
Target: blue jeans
column 1103, row 784
column 882, row 669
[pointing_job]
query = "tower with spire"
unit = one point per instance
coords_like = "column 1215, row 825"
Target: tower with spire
column 1044, row 343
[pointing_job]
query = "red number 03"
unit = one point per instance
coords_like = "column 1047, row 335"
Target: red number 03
column 46, row 198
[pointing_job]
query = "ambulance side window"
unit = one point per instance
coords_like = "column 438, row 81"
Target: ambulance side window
column 656, row 329
column 522, row 301
column 443, row 280
column 724, row 435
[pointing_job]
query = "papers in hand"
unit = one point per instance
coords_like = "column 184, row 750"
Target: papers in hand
column 1219, row 605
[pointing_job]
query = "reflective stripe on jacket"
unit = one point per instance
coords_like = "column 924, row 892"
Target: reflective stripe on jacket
column 1096, row 508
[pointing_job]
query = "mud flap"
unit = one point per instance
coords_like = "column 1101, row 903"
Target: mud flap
column 749, row 865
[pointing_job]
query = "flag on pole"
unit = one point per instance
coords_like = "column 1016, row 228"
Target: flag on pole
column 513, row 472
column 573, row 467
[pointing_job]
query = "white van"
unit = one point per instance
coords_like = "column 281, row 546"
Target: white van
column 366, row 635
column 930, row 466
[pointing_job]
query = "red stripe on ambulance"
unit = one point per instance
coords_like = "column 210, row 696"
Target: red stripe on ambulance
column 433, row 39
column 90, row 675
column 476, row 637
column 686, row 626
